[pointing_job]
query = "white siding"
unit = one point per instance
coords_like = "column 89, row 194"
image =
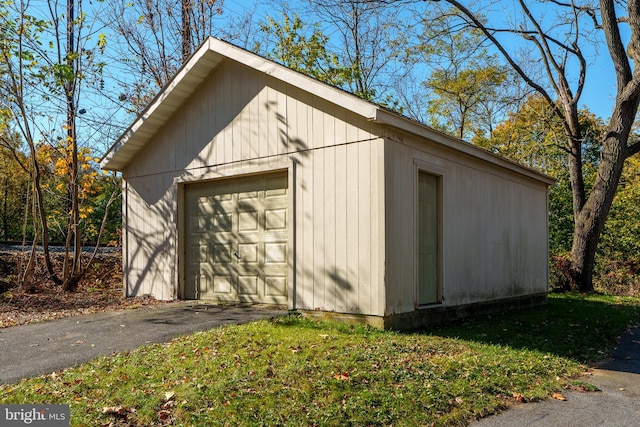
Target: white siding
column 241, row 120
column 494, row 235
column 150, row 239
column 339, row 237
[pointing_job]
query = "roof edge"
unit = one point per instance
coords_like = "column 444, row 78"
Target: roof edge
column 118, row 155
column 411, row 126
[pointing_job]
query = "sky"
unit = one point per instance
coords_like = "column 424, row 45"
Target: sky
column 599, row 95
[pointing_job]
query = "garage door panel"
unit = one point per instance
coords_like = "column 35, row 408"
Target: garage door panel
column 274, row 193
column 238, row 229
column 222, row 222
column 222, row 284
column 206, row 205
column 275, row 219
column 248, row 221
column 275, row 253
column 251, row 195
column 218, row 198
column 248, row 285
column 275, row 286
column 248, row 253
column 221, row 253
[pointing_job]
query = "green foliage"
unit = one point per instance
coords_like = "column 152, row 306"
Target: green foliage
column 459, row 94
column 621, row 237
column 465, row 84
column 560, row 215
column 14, row 187
column 618, row 260
column 41, row 77
column 306, row 53
column 106, row 186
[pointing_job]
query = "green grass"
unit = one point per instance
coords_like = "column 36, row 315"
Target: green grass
column 293, row 371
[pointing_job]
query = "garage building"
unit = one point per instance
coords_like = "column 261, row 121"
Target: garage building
column 245, row 181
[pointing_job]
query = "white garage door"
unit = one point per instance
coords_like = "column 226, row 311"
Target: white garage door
column 236, row 240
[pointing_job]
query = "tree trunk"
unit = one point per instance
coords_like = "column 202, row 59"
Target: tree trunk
column 591, row 216
column 186, row 30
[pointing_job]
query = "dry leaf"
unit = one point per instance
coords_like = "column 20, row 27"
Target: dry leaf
column 117, row 410
column 342, row 376
column 559, row 396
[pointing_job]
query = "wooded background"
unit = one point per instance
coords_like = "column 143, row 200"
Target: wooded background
column 517, row 79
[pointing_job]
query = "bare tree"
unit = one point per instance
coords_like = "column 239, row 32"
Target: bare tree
column 46, row 55
column 464, row 88
column 364, row 33
column 558, row 35
column 155, row 38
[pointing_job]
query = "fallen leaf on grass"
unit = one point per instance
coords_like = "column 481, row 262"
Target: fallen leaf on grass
column 559, row 396
column 165, row 416
column 342, row 376
column 118, row 410
column 519, row 397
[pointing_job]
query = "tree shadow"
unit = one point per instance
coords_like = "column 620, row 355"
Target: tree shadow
column 580, row 328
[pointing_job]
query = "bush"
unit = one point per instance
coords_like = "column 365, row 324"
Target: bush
column 621, row 278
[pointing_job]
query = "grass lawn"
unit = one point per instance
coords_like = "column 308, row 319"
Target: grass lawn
column 298, row 372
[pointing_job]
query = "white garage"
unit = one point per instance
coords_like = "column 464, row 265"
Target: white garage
column 245, row 181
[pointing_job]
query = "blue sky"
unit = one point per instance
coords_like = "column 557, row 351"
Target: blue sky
column 599, row 94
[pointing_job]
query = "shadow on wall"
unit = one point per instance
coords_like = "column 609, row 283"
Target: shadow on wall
column 195, row 138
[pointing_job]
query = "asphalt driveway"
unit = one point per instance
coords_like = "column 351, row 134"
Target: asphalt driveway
column 36, row 349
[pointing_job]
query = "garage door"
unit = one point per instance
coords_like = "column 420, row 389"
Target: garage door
column 236, row 240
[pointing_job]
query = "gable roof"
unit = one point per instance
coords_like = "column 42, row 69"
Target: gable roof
column 213, row 51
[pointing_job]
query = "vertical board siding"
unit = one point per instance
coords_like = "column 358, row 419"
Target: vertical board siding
column 494, row 230
column 329, row 228
column 240, row 116
column 342, row 202
column 320, row 248
column 148, row 241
